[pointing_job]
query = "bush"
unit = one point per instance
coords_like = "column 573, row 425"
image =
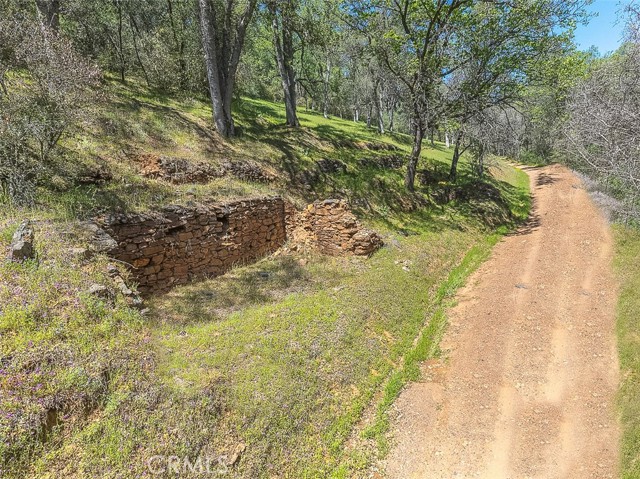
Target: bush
column 45, row 86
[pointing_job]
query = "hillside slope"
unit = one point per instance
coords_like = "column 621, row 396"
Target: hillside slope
column 110, row 162
column 266, row 371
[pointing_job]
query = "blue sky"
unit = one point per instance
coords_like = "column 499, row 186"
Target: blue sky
column 603, row 31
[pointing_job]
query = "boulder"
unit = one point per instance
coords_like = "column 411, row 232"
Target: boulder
column 365, row 242
column 22, row 247
column 99, row 239
column 99, row 291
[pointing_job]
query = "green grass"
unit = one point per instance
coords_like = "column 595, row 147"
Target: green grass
column 49, row 364
column 134, row 120
column 627, row 264
column 293, row 368
column 285, row 356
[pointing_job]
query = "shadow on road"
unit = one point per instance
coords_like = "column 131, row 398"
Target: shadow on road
column 545, row 179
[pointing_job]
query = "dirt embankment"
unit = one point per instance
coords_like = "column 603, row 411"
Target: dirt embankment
column 527, row 381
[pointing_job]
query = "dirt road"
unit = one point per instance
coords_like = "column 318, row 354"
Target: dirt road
column 526, row 385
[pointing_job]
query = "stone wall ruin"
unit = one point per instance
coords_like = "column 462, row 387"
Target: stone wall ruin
column 330, row 227
column 180, row 243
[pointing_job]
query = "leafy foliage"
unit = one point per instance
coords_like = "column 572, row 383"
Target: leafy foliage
column 601, row 134
column 45, row 85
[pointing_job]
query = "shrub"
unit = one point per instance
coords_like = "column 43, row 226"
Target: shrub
column 45, row 86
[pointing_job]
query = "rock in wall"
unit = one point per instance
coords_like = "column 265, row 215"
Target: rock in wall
column 177, row 170
column 181, row 243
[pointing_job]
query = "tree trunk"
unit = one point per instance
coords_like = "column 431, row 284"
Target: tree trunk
column 446, row 140
column 392, row 110
column 453, row 172
column 378, row 101
column 284, row 58
column 229, row 128
column 410, row 177
column 369, row 111
column 480, row 161
column 433, row 143
column 217, row 88
column 3, row 85
column 50, row 9
column 134, row 32
column 120, row 43
column 222, row 55
column 179, row 45
column 326, row 78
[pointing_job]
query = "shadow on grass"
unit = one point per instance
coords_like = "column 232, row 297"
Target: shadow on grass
column 214, row 143
column 532, row 222
column 86, row 201
column 262, row 283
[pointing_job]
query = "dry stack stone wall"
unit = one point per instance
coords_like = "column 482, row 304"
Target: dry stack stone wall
column 330, row 226
column 180, row 243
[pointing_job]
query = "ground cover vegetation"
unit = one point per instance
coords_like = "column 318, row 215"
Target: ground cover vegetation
column 281, row 357
column 405, row 109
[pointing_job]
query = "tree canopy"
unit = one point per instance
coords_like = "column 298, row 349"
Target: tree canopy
column 438, row 68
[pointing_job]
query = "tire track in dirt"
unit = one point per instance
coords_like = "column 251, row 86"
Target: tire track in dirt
column 526, row 386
